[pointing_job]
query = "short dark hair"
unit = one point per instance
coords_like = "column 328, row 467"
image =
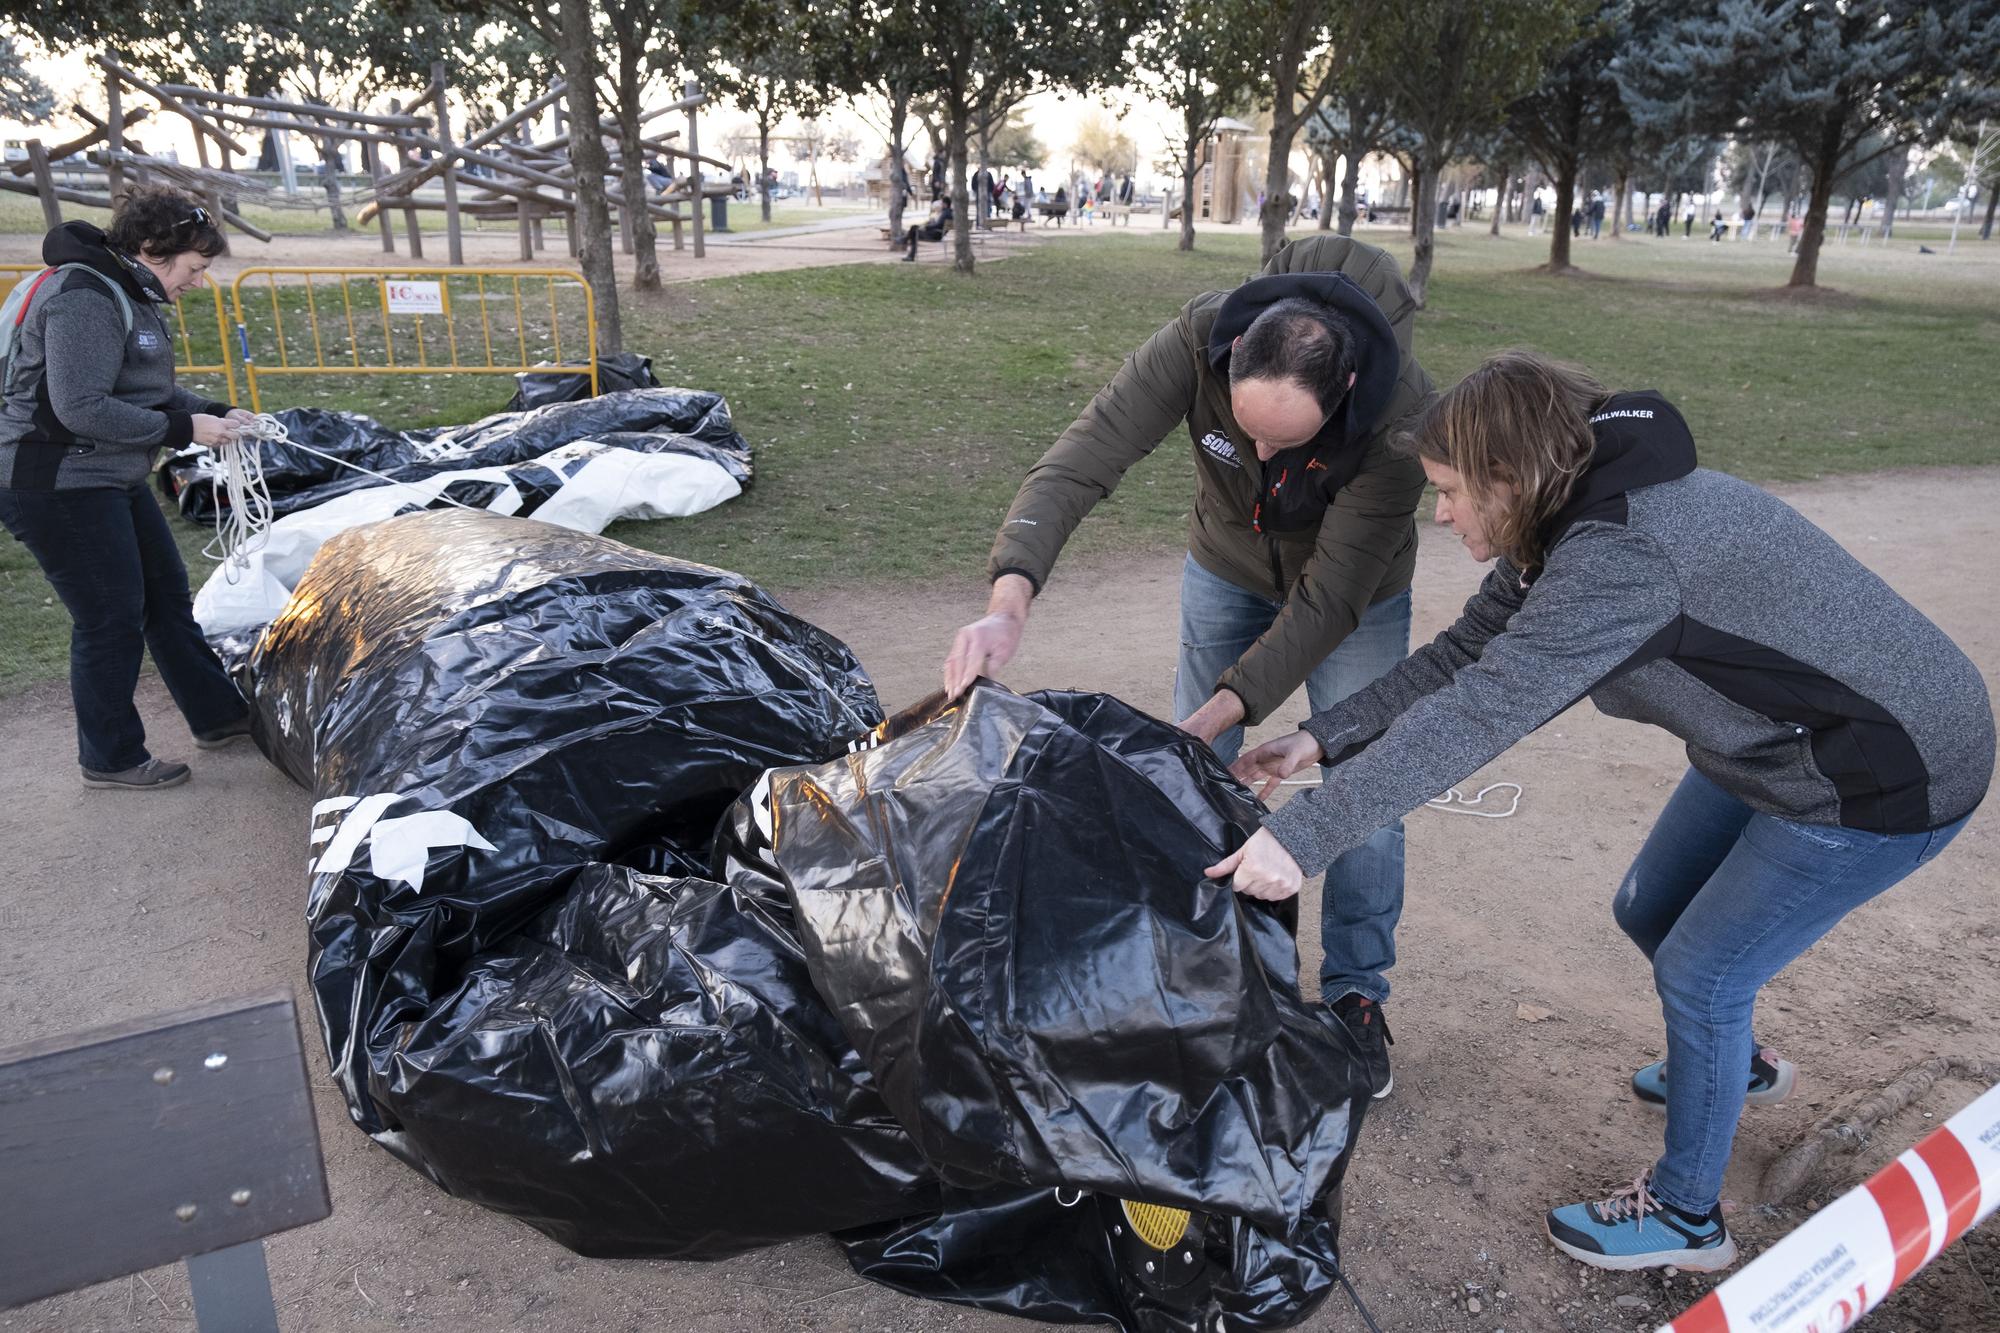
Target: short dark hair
column 1301, row 340
column 162, row 222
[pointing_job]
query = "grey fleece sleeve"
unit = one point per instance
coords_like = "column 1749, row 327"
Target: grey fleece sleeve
column 85, row 349
column 1603, row 594
column 182, row 400
column 1351, row 724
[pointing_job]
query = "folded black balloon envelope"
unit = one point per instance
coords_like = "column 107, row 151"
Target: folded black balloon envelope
column 1103, row 1053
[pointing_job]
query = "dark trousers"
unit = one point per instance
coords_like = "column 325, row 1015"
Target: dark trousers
column 112, row 560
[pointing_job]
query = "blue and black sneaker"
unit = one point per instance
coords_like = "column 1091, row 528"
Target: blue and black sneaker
column 1632, row 1229
column 1772, row 1079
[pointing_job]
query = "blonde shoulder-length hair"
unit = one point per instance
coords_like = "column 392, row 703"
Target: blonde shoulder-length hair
column 1523, row 420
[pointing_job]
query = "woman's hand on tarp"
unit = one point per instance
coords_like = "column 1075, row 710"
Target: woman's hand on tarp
column 1262, row 868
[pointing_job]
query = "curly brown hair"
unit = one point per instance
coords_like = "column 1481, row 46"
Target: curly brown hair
column 1522, row 420
column 160, row 222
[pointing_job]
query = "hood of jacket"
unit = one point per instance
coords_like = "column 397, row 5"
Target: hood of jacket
column 1377, row 358
column 84, row 243
column 1640, row 439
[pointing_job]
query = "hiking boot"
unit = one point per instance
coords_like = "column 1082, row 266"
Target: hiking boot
column 221, row 736
column 1364, row 1019
column 1772, row 1079
column 153, row 773
column 1632, row 1229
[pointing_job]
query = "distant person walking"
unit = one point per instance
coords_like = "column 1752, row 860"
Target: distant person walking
column 1535, row 215
column 1719, row 228
column 1596, row 216
column 1687, row 227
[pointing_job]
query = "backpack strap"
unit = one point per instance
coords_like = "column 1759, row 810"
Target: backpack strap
column 116, row 289
column 10, row 336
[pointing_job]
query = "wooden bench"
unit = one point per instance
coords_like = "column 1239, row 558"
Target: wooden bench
column 189, row 1136
column 1052, row 213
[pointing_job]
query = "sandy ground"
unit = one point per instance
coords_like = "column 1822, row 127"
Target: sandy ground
column 118, row 905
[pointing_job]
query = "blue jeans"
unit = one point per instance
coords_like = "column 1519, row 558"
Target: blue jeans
column 1721, row 898
column 111, row 559
column 1363, row 897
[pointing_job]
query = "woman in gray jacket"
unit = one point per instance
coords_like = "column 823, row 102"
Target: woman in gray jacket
column 90, row 403
column 1838, row 740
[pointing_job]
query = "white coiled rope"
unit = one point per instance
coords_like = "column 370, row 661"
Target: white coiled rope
column 243, row 511
column 1452, row 802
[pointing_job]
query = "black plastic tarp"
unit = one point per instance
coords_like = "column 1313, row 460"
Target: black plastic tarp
column 632, row 918
column 499, row 720
column 539, row 388
column 1003, row 901
column 689, row 421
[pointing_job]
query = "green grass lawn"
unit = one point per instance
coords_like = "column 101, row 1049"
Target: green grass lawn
column 894, row 409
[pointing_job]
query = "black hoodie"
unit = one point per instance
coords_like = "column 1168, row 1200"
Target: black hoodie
column 91, row 404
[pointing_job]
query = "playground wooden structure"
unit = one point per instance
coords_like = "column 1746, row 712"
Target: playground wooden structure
column 501, row 172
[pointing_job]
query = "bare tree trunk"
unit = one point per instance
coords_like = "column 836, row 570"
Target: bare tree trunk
column 1899, row 165
column 577, row 52
column 1327, row 161
column 1277, row 205
column 1417, row 184
column 899, row 175
column 1621, row 209
column 1992, row 198
column 632, row 155
column 763, row 159
column 1350, row 189
column 1423, row 253
column 1500, row 198
column 961, row 199
column 1190, row 172
column 1559, row 217
column 1805, row 269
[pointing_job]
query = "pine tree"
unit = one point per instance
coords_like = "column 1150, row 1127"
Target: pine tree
column 1837, row 83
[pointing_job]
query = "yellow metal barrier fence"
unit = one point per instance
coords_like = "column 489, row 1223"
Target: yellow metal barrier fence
column 366, row 308
column 186, row 363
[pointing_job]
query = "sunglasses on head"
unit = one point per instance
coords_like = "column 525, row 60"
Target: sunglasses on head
column 199, row 218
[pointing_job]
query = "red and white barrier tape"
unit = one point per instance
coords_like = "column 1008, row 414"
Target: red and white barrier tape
column 1843, row 1260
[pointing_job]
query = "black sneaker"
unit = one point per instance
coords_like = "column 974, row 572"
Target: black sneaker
column 1364, row 1019
column 221, row 736
column 144, row 777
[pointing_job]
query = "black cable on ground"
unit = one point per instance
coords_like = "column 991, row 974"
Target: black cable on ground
column 1359, row 1308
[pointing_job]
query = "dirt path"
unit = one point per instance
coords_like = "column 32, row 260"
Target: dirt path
column 118, row 905
column 736, row 253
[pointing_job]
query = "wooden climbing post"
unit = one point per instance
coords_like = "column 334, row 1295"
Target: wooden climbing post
column 455, row 243
column 114, row 140
column 371, row 156
column 410, row 223
column 692, row 90
column 45, row 184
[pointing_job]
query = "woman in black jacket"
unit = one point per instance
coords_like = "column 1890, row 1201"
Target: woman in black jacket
column 90, row 404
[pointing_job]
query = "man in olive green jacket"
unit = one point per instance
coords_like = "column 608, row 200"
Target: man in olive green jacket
column 1301, row 543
